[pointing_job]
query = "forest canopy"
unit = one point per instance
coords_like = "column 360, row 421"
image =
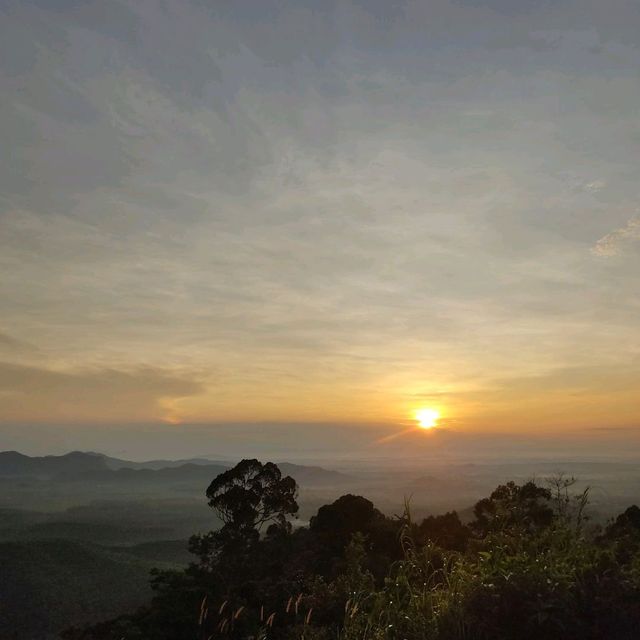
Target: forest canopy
column 529, row 565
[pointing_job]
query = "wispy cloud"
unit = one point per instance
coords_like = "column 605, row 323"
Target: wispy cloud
column 613, row 243
column 13, row 345
column 34, row 393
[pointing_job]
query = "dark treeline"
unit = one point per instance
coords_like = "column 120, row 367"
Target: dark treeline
column 529, row 565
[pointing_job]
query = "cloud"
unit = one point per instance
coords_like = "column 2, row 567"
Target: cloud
column 14, row 346
column 613, row 243
column 102, row 395
column 595, row 186
column 317, row 201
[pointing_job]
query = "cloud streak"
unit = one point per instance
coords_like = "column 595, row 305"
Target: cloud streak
column 614, row 242
column 37, row 394
column 13, row 346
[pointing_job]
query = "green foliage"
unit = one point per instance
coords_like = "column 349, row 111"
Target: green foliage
column 446, row 531
column 529, row 577
column 526, row 568
column 45, row 584
column 511, row 506
column 623, row 535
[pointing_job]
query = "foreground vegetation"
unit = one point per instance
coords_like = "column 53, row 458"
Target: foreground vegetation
column 46, row 583
column 529, row 565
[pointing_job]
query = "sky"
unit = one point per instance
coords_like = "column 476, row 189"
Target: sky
column 301, row 222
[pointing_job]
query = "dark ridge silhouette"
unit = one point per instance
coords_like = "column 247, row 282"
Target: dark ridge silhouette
column 91, row 467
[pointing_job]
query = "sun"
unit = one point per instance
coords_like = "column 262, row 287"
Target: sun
column 427, row 418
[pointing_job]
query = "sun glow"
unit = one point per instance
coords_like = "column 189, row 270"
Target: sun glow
column 427, row 418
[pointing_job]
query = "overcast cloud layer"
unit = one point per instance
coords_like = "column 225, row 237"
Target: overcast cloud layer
column 320, row 212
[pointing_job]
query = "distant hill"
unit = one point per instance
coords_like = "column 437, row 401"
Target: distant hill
column 193, row 474
column 91, row 559
column 110, row 523
column 117, row 463
column 13, row 463
column 97, row 468
column 314, row 476
column 48, row 585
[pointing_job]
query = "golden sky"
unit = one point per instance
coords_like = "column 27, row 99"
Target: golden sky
column 321, row 214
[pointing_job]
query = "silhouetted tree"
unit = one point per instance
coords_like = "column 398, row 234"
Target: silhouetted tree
column 251, row 494
column 245, row 498
column 335, row 525
column 513, row 507
column 349, row 514
column 447, row 531
column 623, row 534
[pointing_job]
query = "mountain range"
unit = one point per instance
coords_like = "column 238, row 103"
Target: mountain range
column 79, row 466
